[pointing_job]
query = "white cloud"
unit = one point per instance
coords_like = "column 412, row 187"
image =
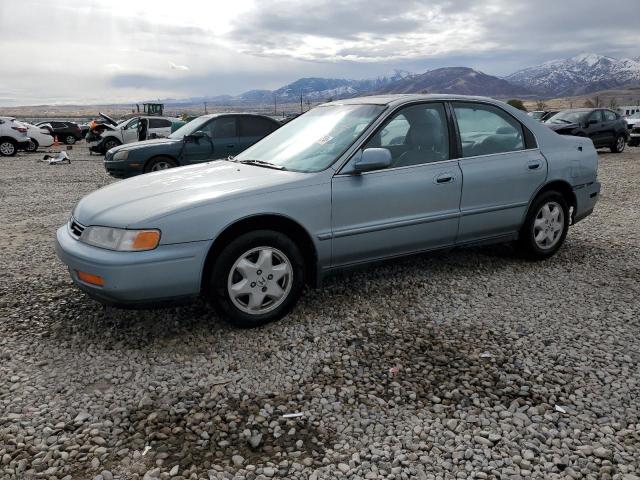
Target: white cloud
column 118, row 50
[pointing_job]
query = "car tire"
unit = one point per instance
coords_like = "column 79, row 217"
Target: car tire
column 618, row 146
column 257, row 278
column 8, row 147
column 33, row 146
column 69, row 139
column 545, row 227
column 159, row 163
column 110, row 143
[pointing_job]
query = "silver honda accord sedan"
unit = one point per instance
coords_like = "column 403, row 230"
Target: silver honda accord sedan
column 347, row 183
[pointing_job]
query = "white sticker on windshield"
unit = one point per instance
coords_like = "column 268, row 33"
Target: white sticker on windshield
column 324, row 139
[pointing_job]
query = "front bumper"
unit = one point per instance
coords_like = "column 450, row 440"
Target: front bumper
column 168, row 274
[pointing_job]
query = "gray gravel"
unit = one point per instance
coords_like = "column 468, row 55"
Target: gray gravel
column 469, row 364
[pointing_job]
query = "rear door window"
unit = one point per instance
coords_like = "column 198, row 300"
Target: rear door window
column 222, row 127
column 609, row 116
column 486, row 130
column 159, row 123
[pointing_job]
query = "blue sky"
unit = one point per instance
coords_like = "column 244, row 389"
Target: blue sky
column 93, row 51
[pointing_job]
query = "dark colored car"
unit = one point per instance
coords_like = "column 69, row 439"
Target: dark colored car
column 206, row 138
column 67, row 132
column 604, row 127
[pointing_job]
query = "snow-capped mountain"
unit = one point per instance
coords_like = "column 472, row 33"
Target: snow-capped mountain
column 578, row 75
column 456, row 80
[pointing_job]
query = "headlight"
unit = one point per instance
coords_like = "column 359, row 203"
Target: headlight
column 121, row 155
column 120, row 239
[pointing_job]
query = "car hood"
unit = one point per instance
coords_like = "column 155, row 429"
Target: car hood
column 561, row 126
column 140, row 200
column 108, row 119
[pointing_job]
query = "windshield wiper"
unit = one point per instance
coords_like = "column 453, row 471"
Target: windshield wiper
column 563, row 120
column 261, row 163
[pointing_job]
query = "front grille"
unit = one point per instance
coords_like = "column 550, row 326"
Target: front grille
column 76, row 228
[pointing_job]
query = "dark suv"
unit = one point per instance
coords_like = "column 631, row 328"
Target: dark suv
column 604, row 127
column 67, row 132
column 205, row 138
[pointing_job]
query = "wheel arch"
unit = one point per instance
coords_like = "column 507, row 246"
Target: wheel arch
column 160, row 155
column 6, row 137
column 276, row 222
column 563, row 188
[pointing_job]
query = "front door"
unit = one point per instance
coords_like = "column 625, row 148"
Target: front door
column 596, row 129
column 411, row 206
column 501, row 170
column 220, row 141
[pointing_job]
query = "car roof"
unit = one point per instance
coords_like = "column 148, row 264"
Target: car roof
column 242, row 114
column 401, row 98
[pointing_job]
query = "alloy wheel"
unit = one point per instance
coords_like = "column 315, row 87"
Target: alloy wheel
column 7, row 148
column 620, row 144
column 260, row 280
column 161, row 166
column 548, row 225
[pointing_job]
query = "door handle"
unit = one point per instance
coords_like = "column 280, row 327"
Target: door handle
column 230, row 146
column 534, row 165
column 444, row 178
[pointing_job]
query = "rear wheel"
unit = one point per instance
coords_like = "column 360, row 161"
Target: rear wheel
column 257, row 279
column 33, row 145
column 69, row 139
column 8, row 147
column 618, row 146
column 545, row 227
column 160, row 163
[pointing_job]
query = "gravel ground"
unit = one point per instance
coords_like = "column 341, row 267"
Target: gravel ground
column 468, row 364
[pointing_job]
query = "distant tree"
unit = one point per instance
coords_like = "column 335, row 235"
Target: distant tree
column 588, row 103
column 517, row 103
column 424, row 90
column 540, row 105
column 613, row 104
column 330, row 99
column 596, row 101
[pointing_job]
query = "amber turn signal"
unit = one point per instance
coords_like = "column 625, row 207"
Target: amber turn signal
column 91, row 279
column 146, row 240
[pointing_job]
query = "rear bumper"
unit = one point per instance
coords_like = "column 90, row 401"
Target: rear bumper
column 168, row 274
column 586, row 199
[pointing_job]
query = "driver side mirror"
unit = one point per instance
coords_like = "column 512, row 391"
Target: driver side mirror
column 372, row 159
column 197, row 135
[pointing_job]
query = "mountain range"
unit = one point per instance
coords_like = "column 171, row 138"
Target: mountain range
column 579, row 75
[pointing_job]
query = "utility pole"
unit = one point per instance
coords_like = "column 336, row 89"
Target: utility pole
column 300, row 101
column 275, row 104
column 205, row 108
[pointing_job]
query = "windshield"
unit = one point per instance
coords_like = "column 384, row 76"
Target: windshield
column 313, row 141
column 568, row 116
column 190, row 127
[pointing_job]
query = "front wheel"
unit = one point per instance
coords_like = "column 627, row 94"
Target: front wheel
column 618, row 147
column 160, row 163
column 8, row 148
column 256, row 279
column 110, row 143
column 69, row 139
column 545, row 226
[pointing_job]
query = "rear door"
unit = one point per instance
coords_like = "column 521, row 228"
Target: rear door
column 501, row 169
column 253, row 129
column 596, row 129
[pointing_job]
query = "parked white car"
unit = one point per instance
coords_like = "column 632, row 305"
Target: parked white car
column 112, row 134
column 38, row 136
column 13, row 136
